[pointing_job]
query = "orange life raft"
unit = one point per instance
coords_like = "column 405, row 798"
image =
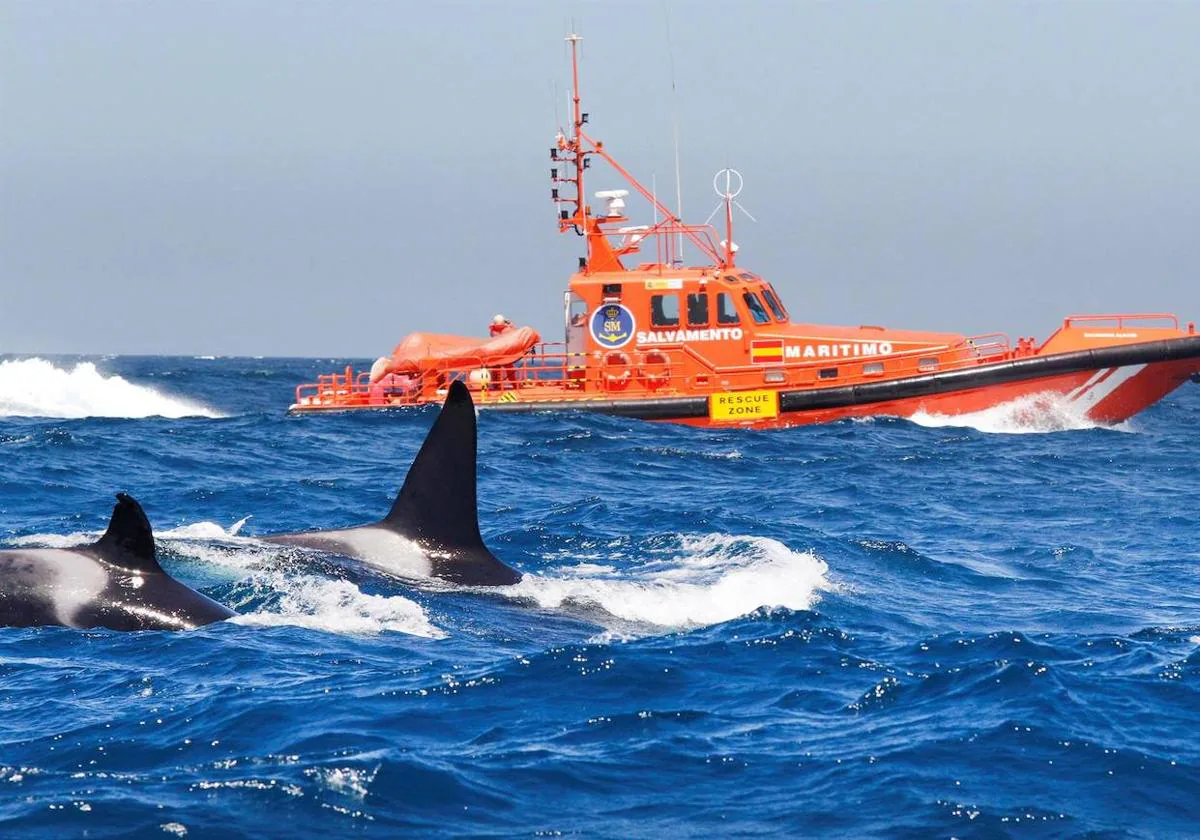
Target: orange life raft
column 422, row 352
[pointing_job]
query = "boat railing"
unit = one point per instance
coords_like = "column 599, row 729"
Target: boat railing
column 334, row 389
column 630, row 238
column 1123, row 321
column 990, row 344
column 548, row 362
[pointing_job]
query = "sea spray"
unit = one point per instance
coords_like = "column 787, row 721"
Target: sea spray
column 39, row 388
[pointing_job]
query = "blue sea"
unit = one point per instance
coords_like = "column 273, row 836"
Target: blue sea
column 987, row 627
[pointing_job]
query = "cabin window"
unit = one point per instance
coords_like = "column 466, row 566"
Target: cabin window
column 828, row 373
column 697, row 309
column 873, row 368
column 577, row 310
column 664, row 310
column 726, row 312
column 755, row 306
column 926, row 365
column 732, row 278
column 773, row 303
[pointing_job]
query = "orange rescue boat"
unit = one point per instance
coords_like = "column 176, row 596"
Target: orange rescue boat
column 713, row 345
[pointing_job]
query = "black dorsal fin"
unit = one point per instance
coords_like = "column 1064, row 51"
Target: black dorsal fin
column 129, row 540
column 437, row 505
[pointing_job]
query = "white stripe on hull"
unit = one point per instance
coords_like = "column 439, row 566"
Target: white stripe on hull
column 1102, row 384
column 1092, row 380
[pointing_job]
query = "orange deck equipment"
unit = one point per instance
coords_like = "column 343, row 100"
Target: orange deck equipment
column 421, row 353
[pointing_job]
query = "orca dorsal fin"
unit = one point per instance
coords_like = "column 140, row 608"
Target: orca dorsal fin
column 129, row 540
column 437, row 504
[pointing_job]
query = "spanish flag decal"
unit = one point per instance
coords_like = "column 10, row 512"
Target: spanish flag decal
column 767, row 351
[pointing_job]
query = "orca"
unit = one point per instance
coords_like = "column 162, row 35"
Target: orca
column 432, row 530
column 115, row 583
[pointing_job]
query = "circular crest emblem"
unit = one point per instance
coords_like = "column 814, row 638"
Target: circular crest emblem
column 612, row 325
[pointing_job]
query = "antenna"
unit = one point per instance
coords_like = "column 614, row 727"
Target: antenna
column 580, row 162
column 558, row 123
column 575, row 152
column 676, row 259
column 654, row 204
column 728, row 194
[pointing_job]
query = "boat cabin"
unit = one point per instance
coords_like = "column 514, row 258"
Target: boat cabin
column 711, row 311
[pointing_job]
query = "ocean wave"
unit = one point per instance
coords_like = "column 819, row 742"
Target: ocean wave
column 268, row 593
column 697, row 582
column 338, row 606
column 38, row 388
column 704, row 580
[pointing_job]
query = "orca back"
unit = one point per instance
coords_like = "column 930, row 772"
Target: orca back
column 115, row 583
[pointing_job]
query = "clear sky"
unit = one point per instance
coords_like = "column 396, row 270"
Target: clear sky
column 318, row 178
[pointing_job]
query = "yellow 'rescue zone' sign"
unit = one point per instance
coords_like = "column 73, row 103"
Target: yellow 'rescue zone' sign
column 744, row 405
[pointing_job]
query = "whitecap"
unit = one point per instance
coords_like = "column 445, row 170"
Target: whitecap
column 298, row 600
column 38, row 388
column 338, row 606
column 193, row 531
column 352, row 781
column 706, row 580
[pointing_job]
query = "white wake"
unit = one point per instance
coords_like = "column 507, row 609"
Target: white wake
column 338, row 606
column 703, row 581
column 38, row 388
column 1034, row 414
column 297, row 599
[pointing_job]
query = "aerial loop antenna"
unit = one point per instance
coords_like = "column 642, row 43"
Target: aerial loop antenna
column 728, row 194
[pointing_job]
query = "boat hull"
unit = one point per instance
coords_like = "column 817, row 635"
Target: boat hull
column 1106, row 385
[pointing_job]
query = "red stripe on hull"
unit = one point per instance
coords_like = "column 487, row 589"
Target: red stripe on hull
column 1143, row 390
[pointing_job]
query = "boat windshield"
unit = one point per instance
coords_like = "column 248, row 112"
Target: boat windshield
column 664, row 310
column 726, row 312
column 772, row 299
column 755, row 306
